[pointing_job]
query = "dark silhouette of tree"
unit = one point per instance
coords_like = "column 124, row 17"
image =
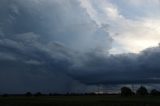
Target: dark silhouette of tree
column 28, row 94
column 142, row 91
column 50, row 94
column 125, row 91
column 38, row 94
column 155, row 92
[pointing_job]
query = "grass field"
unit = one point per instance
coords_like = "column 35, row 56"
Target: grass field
column 80, row 101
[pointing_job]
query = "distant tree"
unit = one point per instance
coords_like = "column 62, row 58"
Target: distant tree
column 142, row 91
column 28, row 94
column 50, row 94
column 155, row 92
column 125, row 91
column 38, row 94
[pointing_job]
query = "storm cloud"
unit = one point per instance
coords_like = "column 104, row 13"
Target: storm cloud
column 121, row 69
column 56, row 46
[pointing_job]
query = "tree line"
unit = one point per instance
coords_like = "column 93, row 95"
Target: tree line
column 142, row 91
column 125, row 91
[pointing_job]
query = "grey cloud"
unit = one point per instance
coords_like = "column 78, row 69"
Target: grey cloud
column 39, row 40
column 120, row 69
column 52, row 47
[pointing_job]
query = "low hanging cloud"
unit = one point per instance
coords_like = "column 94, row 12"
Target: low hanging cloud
column 59, row 46
column 142, row 68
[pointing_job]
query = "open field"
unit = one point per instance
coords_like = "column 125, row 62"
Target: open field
column 79, row 101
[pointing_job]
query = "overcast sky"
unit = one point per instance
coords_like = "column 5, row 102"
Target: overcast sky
column 77, row 45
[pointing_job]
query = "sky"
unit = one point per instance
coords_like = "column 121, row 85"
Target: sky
column 64, row 46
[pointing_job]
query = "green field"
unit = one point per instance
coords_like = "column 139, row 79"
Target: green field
column 80, row 101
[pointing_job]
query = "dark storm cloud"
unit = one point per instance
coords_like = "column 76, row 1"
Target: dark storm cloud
column 120, row 69
column 54, row 46
column 40, row 41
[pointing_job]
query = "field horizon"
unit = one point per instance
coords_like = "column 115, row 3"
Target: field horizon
column 80, row 100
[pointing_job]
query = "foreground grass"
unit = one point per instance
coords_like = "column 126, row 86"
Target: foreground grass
column 80, row 101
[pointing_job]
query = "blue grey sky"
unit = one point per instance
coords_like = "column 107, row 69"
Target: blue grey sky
column 64, row 46
column 135, row 21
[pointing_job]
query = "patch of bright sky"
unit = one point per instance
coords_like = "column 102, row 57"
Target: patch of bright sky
column 134, row 25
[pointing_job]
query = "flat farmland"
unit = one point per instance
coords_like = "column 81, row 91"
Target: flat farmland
column 94, row 100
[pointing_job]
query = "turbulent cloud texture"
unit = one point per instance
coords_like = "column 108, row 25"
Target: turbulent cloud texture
column 63, row 46
column 135, row 21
